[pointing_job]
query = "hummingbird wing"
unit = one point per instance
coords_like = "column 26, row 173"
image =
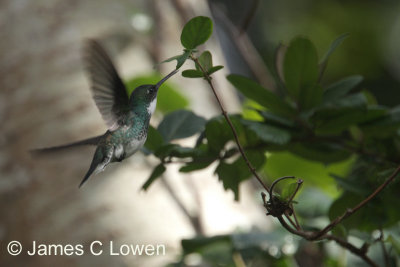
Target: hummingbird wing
column 109, row 92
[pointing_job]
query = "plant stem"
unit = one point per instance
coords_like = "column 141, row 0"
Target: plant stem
column 348, row 212
column 357, row 251
column 296, row 229
column 362, row 253
column 381, row 241
column 249, row 16
column 225, row 114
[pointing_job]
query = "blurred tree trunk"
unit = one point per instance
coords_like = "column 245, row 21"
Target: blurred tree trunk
column 45, row 101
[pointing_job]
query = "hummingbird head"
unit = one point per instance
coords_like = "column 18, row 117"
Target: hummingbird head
column 147, row 94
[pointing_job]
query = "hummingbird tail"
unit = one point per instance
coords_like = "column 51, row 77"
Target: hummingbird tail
column 90, row 141
column 102, row 157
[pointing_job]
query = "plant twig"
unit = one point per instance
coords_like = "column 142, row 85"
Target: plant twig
column 157, row 37
column 276, row 182
column 293, row 223
column 381, row 241
column 295, row 228
column 301, row 233
column 277, row 208
column 298, row 226
column 322, row 234
column 348, row 212
column 249, row 16
column 361, row 252
column 246, row 48
column 194, row 219
column 225, row 114
column 299, row 183
column 183, row 11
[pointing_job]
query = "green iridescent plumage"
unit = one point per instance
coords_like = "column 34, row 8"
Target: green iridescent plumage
column 127, row 118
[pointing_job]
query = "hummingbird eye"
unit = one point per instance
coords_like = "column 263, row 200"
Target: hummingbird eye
column 151, row 90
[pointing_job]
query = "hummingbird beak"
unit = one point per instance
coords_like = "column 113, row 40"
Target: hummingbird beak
column 165, row 78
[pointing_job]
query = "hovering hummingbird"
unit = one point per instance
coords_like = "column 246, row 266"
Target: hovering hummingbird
column 127, row 118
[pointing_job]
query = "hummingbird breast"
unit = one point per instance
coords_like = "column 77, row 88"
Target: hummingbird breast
column 129, row 139
column 134, row 145
column 128, row 147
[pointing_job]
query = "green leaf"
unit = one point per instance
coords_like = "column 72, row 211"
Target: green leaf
column 174, row 150
column 256, row 92
column 192, row 73
column 385, row 125
column 340, row 231
column 312, row 97
column 340, row 205
column 154, row 139
column 201, row 158
column 197, row 244
column 195, row 166
column 214, row 69
column 344, row 112
column 196, row 32
column 214, row 251
column 180, row 124
column 333, row 47
column 275, row 119
column 300, row 69
column 268, row 133
column 231, row 174
column 205, row 60
column 341, row 106
column 343, row 121
column 169, row 99
column 157, row 172
column 180, row 59
column 316, row 174
column 321, row 152
column 379, row 212
column 351, row 186
column 371, row 99
column 288, row 191
column 341, row 88
column 368, row 218
column 218, row 132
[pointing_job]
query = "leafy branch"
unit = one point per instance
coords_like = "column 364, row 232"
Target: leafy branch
column 224, row 113
column 277, row 208
column 324, row 124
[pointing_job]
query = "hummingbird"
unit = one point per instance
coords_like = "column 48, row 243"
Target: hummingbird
column 127, row 118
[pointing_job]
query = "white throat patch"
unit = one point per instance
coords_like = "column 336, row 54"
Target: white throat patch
column 152, row 106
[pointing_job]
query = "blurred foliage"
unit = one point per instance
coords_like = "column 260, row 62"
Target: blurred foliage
column 370, row 48
column 333, row 135
column 252, row 249
column 315, row 173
